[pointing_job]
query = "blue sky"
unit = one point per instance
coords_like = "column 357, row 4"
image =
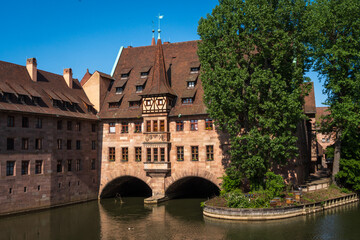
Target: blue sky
column 83, row 34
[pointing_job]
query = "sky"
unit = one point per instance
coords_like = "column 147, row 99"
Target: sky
column 87, row 34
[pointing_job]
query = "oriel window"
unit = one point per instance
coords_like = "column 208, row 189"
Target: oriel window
column 155, row 126
column 148, row 126
column 162, row 126
column 162, row 154
column 155, row 152
column 148, row 154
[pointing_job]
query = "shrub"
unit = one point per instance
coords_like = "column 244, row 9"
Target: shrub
column 274, row 184
column 349, row 174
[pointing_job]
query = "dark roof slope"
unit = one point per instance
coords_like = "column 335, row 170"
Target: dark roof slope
column 48, row 86
column 178, row 58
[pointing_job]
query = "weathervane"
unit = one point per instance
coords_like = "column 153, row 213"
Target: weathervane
column 159, row 31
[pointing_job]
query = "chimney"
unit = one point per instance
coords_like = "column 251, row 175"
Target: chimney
column 68, row 77
column 31, row 67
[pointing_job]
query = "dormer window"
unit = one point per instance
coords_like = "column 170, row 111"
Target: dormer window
column 119, row 90
column 134, row 104
column 125, row 75
column 139, row 89
column 187, row 100
column 144, row 74
column 190, row 84
column 194, row 69
column 114, row 104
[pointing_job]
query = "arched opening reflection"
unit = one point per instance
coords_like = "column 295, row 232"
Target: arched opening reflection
column 192, row 187
column 126, row 186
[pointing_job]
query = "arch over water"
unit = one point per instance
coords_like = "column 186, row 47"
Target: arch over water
column 192, row 186
column 126, row 186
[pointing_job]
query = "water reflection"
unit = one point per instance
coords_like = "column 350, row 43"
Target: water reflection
column 176, row 219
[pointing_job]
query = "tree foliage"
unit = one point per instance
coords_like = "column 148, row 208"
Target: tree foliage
column 334, row 41
column 253, row 61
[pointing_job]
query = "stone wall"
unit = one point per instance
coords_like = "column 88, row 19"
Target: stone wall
column 24, row 191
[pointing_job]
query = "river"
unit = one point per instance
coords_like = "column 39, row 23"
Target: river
column 175, row 219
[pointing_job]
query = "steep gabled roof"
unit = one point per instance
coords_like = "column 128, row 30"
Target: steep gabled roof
column 85, row 78
column 159, row 83
column 47, row 84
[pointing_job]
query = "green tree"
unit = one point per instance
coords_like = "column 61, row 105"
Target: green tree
column 253, row 62
column 334, row 34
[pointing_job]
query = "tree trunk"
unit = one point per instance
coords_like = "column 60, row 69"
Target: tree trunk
column 336, row 162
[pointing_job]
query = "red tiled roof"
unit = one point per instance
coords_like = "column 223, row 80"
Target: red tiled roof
column 321, row 111
column 85, row 78
column 47, row 84
column 159, row 83
column 172, row 76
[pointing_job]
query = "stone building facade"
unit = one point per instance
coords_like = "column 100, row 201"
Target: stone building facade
column 48, row 140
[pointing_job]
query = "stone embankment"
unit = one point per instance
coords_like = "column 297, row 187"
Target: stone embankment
column 259, row 214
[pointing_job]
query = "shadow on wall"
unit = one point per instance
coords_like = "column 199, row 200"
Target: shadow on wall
column 126, row 186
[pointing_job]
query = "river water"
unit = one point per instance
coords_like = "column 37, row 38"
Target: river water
column 175, row 219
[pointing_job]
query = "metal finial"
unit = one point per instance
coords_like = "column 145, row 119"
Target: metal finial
column 159, row 29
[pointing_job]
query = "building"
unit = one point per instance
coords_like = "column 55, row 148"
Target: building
column 48, row 144
column 154, row 125
column 143, row 128
column 323, row 140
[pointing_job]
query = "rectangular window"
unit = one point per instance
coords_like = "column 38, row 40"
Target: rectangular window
column 187, row 101
column 78, row 144
column 193, row 125
column 162, row 154
column 148, row 103
column 125, row 154
column 119, row 90
column 38, row 143
column 112, row 127
column 179, row 126
column 25, row 167
column 194, row 69
column 38, row 123
column 125, row 75
column 148, row 126
column 38, row 166
column 69, row 125
column 162, row 126
column 114, row 104
column 180, row 153
column 148, row 154
column 93, row 127
column 124, row 127
column 155, row 126
column 208, row 124
column 139, row 89
column 93, row 164
column 10, row 143
column 69, row 165
column 111, row 154
column 59, row 166
column 210, row 153
column 191, row 84
column 78, row 126
column 25, row 122
column 68, row 144
column 93, row 145
column 194, row 153
column 138, row 154
column 59, row 144
column 155, row 152
column 78, row 165
column 24, row 143
column 11, row 121
column 10, row 167
column 59, row 125
column 137, row 127
column 134, row 104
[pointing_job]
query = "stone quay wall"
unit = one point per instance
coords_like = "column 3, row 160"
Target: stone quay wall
column 260, row 214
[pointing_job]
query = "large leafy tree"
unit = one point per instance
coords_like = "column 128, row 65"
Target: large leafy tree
column 334, row 30
column 253, row 61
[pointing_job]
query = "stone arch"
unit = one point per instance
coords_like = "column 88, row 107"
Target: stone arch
column 199, row 184
column 114, row 185
column 192, row 173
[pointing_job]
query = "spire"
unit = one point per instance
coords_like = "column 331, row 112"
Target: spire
column 153, row 38
column 158, row 84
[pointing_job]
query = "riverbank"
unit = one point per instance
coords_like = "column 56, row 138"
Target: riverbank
column 310, row 202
